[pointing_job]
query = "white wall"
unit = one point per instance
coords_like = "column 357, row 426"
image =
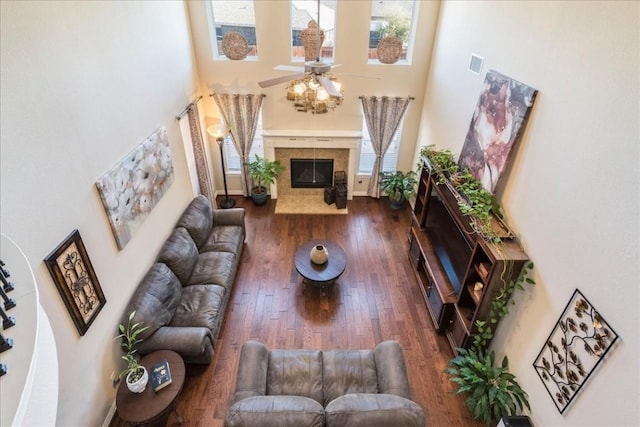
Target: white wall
column 572, row 192
column 274, row 46
column 82, row 84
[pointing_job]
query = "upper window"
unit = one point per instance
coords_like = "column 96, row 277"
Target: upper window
column 232, row 15
column 393, row 18
column 301, row 13
column 368, row 156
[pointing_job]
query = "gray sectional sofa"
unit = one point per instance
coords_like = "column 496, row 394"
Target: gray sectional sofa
column 184, row 295
column 281, row 388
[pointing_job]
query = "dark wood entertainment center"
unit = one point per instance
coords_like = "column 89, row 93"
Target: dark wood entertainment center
column 452, row 262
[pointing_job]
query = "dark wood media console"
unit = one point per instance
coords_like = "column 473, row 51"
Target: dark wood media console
column 458, row 272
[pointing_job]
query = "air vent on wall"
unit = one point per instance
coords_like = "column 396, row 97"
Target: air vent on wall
column 475, row 65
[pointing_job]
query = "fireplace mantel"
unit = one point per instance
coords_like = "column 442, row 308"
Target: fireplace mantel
column 329, row 139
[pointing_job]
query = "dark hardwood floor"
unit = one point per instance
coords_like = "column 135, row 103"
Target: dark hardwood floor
column 377, row 298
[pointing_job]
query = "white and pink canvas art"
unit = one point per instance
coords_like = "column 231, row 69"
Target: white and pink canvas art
column 497, row 124
column 133, row 187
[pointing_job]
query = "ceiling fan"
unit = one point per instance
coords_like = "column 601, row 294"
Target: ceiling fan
column 316, row 69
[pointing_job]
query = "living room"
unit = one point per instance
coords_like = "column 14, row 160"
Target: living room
column 84, row 82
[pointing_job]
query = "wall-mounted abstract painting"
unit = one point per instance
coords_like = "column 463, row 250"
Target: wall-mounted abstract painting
column 496, row 126
column 577, row 344
column 133, row 187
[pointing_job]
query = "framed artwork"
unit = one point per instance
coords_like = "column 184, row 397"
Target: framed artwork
column 73, row 275
column 576, row 346
column 133, row 187
column 496, row 126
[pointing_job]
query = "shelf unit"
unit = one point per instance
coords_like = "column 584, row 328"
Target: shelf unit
column 458, row 272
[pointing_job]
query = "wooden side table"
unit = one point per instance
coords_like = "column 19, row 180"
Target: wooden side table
column 149, row 407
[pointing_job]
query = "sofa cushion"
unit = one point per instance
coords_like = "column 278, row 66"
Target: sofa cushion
column 227, row 238
column 295, row 372
column 373, row 410
column 213, row 268
column 197, row 218
column 200, row 306
column 275, row 411
column 180, row 253
column 348, row 371
column 155, row 299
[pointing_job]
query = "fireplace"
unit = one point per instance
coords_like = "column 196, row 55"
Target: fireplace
column 311, row 173
column 339, row 145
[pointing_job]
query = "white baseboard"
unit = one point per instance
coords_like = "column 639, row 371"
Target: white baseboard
column 110, row 415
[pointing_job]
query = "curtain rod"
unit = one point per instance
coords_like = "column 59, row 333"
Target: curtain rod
column 187, row 108
column 411, row 98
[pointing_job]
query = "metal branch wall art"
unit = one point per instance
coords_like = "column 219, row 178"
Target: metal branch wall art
column 76, row 281
column 576, row 345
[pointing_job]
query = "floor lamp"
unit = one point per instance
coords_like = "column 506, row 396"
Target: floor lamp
column 218, row 132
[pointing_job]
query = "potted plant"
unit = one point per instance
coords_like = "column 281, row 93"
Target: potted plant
column 263, row 172
column 442, row 160
column 136, row 375
column 399, row 186
column 492, row 390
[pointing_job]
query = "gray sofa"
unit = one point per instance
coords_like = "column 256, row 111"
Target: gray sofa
column 184, row 295
column 281, row 388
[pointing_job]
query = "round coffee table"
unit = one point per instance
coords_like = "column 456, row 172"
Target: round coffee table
column 150, row 407
column 325, row 274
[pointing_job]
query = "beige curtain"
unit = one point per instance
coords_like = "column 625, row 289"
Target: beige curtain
column 200, row 154
column 240, row 113
column 383, row 116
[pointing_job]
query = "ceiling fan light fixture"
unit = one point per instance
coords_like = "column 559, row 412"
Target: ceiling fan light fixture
column 322, row 94
column 313, row 85
column 307, row 94
column 300, row 88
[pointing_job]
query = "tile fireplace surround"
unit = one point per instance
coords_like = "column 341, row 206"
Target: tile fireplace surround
column 341, row 146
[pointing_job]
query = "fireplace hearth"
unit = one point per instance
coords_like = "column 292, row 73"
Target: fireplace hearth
column 311, row 173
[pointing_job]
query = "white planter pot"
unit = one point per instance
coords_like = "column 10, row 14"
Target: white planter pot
column 140, row 385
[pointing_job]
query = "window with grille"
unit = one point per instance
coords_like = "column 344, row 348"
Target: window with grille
column 231, row 156
column 368, row 156
column 393, row 18
column 232, row 15
column 303, row 11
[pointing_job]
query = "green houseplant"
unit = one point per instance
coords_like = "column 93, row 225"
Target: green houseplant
column 492, row 391
column 442, row 160
column 263, row 172
column 136, row 375
column 399, row 186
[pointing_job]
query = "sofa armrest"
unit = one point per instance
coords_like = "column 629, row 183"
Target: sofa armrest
column 252, row 371
column 233, row 216
column 391, row 368
column 187, row 341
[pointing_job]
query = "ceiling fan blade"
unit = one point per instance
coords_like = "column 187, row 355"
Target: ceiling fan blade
column 289, row 68
column 358, row 75
column 329, row 86
column 278, row 80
